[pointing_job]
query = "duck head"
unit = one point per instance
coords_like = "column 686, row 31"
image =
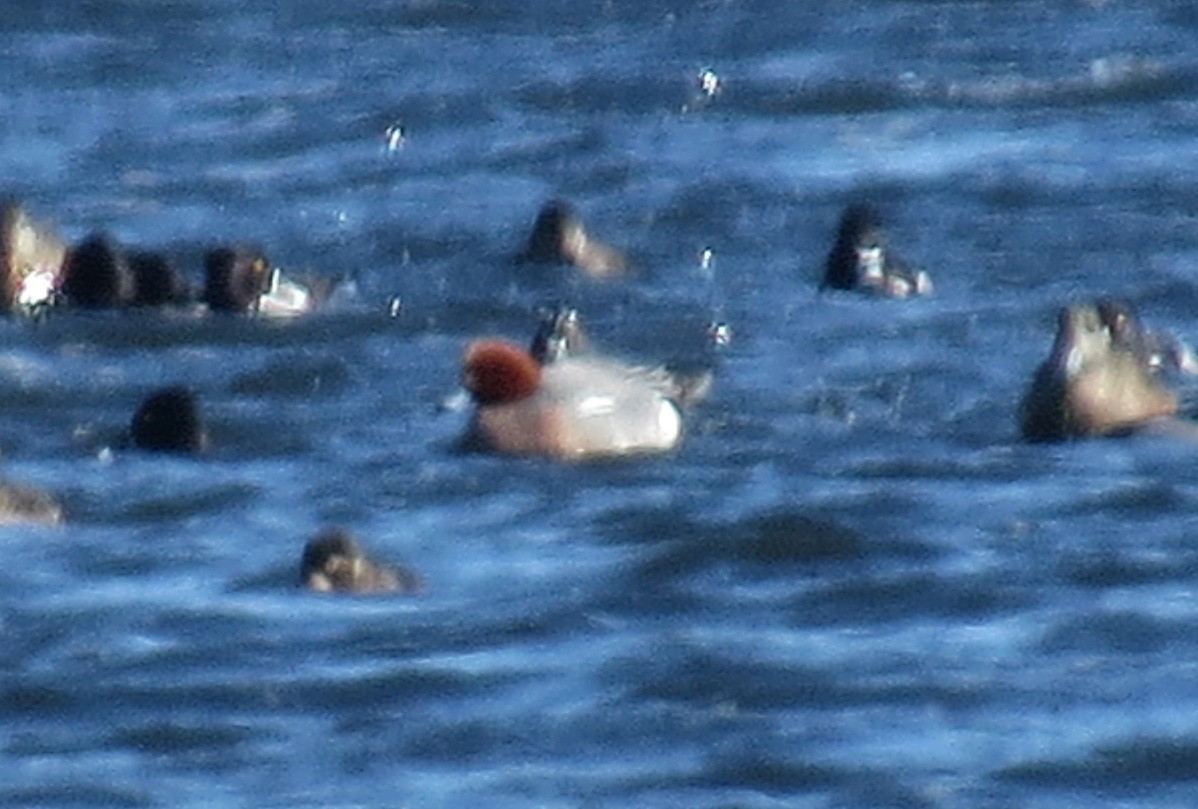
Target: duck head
column 96, row 274
column 156, row 282
column 169, row 421
column 240, row 279
column 860, row 258
column 499, row 372
column 334, row 562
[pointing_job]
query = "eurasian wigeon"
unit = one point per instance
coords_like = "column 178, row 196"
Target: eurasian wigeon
column 33, row 256
column 574, row 408
column 168, row 420
column 334, row 562
column 860, row 259
column 559, row 236
column 240, row 279
column 1092, row 384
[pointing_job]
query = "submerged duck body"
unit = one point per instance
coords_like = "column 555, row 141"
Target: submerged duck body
column 1095, row 382
column 861, row 260
column 575, row 408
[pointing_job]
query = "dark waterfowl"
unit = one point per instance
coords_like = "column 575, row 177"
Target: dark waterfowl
column 33, row 257
column 156, row 282
column 100, row 274
column 240, row 279
column 334, row 562
column 169, row 421
column 559, row 236
column 97, row 275
column 234, row 277
column 860, row 259
column 1093, row 383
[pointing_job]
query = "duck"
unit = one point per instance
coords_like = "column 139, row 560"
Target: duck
column 1095, row 381
column 100, row 274
column 168, row 420
column 559, row 237
column 573, row 408
column 861, row 260
column 240, row 279
column 156, row 281
column 334, row 562
column 33, row 255
column 23, row 505
column 96, row 274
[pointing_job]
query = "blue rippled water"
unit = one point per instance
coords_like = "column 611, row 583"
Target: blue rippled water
column 852, row 586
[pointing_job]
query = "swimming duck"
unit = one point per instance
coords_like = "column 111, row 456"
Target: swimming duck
column 33, row 256
column 573, row 408
column 168, row 420
column 25, row 504
column 100, row 274
column 156, row 281
column 559, row 236
column 334, row 562
column 1093, row 383
column 240, row 279
column 96, row 274
column 860, row 259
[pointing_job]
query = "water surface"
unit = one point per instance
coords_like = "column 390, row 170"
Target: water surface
column 852, row 585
